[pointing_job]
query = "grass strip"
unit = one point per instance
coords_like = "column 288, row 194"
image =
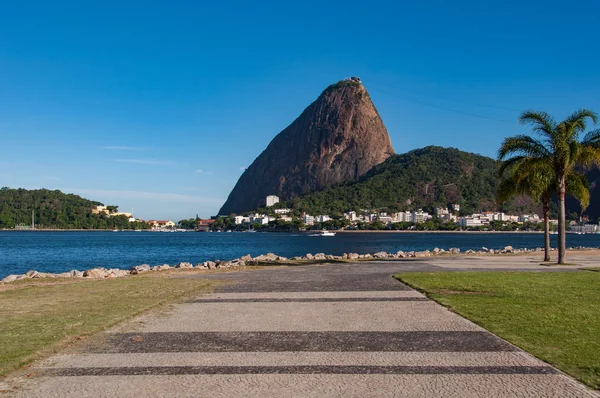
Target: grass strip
column 39, row 317
column 553, row 315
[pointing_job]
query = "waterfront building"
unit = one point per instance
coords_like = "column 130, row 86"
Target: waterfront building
column 204, row 225
column 161, row 224
column 308, row 219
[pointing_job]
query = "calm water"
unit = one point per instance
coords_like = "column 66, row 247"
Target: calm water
column 63, row 251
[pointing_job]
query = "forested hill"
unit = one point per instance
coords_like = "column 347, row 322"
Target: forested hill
column 422, row 178
column 53, row 209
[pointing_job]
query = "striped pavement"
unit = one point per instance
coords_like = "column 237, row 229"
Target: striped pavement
column 303, row 332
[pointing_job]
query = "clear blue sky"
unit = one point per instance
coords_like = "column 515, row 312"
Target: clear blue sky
column 158, row 106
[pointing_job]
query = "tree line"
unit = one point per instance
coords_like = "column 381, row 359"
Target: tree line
column 55, row 209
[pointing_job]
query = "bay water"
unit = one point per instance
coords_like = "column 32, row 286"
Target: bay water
column 61, row 251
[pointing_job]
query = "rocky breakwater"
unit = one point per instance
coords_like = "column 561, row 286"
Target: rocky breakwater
column 272, row 259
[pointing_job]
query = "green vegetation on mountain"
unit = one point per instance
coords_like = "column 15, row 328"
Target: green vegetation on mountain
column 55, row 209
column 423, row 178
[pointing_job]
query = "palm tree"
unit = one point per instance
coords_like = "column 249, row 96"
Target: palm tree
column 560, row 148
column 519, row 178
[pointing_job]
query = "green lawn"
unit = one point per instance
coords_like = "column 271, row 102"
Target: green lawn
column 39, row 316
column 555, row 316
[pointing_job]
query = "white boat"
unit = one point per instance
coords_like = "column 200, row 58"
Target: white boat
column 326, row 233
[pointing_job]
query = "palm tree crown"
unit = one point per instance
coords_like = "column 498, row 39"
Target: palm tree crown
column 560, row 147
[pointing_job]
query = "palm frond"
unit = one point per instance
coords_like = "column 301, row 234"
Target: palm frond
column 577, row 122
column 578, row 187
column 522, row 145
column 592, row 138
column 542, row 122
column 588, row 156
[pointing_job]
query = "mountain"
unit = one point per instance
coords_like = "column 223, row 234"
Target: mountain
column 338, row 138
column 54, row 209
column 422, row 178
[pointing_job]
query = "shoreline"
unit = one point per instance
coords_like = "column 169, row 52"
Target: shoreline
column 342, row 231
column 371, row 231
column 271, row 259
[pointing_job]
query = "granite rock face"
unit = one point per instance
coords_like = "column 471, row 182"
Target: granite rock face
column 337, row 139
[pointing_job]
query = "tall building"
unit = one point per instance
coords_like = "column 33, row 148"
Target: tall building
column 271, row 200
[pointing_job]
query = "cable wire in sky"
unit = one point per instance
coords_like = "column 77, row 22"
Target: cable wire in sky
column 452, row 100
column 445, row 109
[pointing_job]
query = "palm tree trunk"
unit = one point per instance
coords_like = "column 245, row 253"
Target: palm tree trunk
column 546, row 211
column 562, row 230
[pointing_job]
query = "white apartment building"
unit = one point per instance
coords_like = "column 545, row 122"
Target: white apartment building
column 282, row 211
column 529, row 218
column 241, row 220
column 308, row 220
column 322, row 218
column 271, row 200
column 419, row 216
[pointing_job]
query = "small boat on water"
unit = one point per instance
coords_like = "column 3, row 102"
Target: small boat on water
column 326, row 233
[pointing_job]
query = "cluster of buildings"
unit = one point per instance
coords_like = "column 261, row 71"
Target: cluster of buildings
column 416, row 216
column 155, row 225
column 104, row 210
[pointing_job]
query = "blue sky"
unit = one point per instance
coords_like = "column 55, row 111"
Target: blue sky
column 158, row 106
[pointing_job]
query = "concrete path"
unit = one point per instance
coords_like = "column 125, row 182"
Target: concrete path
column 343, row 330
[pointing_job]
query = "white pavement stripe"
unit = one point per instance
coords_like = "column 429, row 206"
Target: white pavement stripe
column 312, row 316
column 294, row 359
column 307, row 295
column 320, row 385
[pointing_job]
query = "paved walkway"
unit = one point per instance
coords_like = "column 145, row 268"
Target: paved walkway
column 343, row 330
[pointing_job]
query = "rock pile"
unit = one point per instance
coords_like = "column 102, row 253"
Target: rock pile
column 269, row 258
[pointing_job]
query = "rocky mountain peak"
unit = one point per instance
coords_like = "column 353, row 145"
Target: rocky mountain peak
column 337, row 139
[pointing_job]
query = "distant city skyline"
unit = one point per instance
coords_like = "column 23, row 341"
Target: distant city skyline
column 159, row 109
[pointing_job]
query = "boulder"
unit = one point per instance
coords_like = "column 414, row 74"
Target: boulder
column 76, row 274
column 309, row 256
column 10, row 278
column 320, row 256
column 39, row 275
column 400, row 254
column 117, row 273
column 454, row 250
column 247, row 257
column 508, row 249
column 368, row 255
column 381, row 255
column 470, row 251
column 485, row 249
column 352, row 256
column 31, row 274
column 436, row 251
column 138, row 269
column 95, row 273
column 185, row 265
column 211, row 264
column 269, row 257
